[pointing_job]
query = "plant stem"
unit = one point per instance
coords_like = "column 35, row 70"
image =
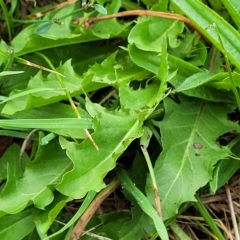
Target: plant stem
column 83, row 221
column 144, row 141
column 152, row 175
column 179, row 17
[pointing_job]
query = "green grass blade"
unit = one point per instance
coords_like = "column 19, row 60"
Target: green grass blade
column 202, row 16
column 233, row 8
column 83, row 123
column 6, row 73
column 179, row 231
column 27, row 92
column 143, row 203
column 45, row 140
column 7, row 19
column 234, row 86
column 203, row 211
column 16, row 134
column 87, row 201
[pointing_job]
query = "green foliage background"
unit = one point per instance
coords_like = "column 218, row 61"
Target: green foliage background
column 167, row 78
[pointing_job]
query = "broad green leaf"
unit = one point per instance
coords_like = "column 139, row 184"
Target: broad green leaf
column 116, row 72
column 191, row 50
column 209, row 93
column 38, row 32
column 199, row 79
column 37, row 99
column 109, row 29
column 34, row 236
column 96, row 77
column 189, row 133
column 61, row 35
column 148, row 35
column 86, row 55
column 44, row 172
column 43, row 28
column 44, row 219
column 114, row 131
column 149, row 94
column 36, row 42
column 151, row 62
column 202, row 16
column 226, row 82
column 140, row 99
column 16, row 226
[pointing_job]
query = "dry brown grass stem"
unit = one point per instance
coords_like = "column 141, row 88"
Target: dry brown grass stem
column 233, row 216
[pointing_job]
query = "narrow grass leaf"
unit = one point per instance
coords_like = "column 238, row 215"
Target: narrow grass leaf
column 27, row 92
column 144, row 204
column 179, row 231
column 233, row 8
column 86, row 202
column 7, row 18
column 208, row 218
column 6, row 73
column 202, row 16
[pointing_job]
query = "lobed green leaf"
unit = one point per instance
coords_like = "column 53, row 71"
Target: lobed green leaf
column 189, row 133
